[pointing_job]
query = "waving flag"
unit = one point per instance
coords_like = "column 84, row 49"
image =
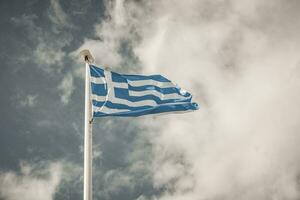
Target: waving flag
column 116, row 94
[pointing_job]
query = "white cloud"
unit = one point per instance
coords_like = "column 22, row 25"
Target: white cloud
column 31, row 183
column 25, row 20
column 29, row 101
column 47, row 56
column 116, row 180
column 118, row 28
column 66, row 88
column 240, row 144
column 141, row 198
column 47, row 51
column 243, row 69
column 58, row 16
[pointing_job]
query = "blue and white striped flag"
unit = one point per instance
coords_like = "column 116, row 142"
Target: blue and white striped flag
column 116, row 94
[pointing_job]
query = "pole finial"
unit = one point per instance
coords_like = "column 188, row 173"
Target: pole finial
column 87, row 56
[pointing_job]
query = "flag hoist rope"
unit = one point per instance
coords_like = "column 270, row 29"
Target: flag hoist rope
column 88, row 119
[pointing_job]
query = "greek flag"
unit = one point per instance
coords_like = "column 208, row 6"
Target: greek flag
column 116, row 94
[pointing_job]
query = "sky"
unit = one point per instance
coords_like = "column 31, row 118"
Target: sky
column 239, row 59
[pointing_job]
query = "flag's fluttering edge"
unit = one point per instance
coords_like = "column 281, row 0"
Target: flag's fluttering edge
column 116, row 94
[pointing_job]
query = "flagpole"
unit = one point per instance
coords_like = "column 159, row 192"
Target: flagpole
column 88, row 120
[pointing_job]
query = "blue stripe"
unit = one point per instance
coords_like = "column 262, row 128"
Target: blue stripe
column 99, row 89
column 98, row 103
column 123, row 94
column 142, row 77
column 96, row 71
column 112, row 105
column 118, row 78
column 170, row 90
column 179, row 104
column 123, row 78
column 151, row 110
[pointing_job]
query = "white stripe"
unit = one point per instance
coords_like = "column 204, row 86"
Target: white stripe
column 151, row 82
column 121, row 85
column 110, row 84
column 124, row 101
column 112, row 98
column 156, row 93
column 99, row 98
column 111, row 93
column 98, row 80
column 138, row 83
column 135, row 104
column 173, row 112
column 101, row 80
column 107, row 110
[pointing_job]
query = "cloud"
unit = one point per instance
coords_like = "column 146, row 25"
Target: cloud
column 113, row 33
column 240, row 61
column 29, row 101
column 58, row 16
column 116, row 180
column 239, row 144
column 66, row 87
column 25, row 100
column 26, row 21
column 123, row 172
column 46, row 50
column 47, row 56
column 32, row 183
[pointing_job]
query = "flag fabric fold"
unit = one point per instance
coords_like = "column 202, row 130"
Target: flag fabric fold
column 114, row 94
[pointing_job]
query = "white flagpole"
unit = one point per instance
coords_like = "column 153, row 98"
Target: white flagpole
column 88, row 144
